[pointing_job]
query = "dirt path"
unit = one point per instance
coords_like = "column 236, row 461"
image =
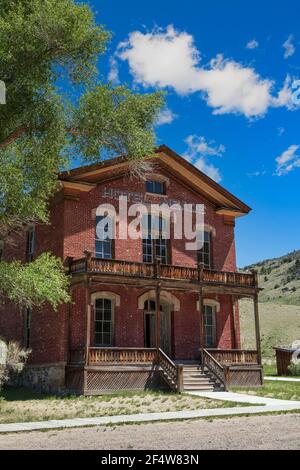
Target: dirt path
column 254, row 432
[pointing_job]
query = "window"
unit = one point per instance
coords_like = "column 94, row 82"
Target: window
column 27, row 325
column 30, row 244
column 205, row 255
column 103, row 322
column 155, row 247
column 155, row 187
column 103, row 245
column 209, row 326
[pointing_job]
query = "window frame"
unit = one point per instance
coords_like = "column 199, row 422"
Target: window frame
column 104, row 310
column 213, row 334
column 151, row 246
column 30, row 244
column 203, row 253
column 107, row 242
column 152, row 187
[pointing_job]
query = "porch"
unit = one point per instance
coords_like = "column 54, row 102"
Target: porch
column 101, row 370
column 95, row 369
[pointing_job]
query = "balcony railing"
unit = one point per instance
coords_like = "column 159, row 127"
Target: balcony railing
column 167, row 272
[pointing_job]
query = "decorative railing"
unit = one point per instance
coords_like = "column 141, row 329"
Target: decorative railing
column 98, row 356
column 172, row 373
column 217, row 369
column 156, row 270
column 235, row 356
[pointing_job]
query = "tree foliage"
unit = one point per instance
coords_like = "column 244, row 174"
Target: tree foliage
column 47, row 47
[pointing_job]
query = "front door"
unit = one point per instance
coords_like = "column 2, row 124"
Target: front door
column 150, row 326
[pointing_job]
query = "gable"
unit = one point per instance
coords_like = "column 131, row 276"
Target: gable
column 85, row 178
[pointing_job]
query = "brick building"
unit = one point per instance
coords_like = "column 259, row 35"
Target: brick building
column 145, row 312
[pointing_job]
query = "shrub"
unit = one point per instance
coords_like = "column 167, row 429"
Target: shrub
column 294, row 369
column 15, row 360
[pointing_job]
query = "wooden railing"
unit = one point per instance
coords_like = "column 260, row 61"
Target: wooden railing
column 155, row 270
column 217, row 369
column 173, row 374
column 121, row 356
column 235, row 356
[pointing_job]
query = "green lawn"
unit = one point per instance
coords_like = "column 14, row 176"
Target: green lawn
column 273, row 389
column 21, row 405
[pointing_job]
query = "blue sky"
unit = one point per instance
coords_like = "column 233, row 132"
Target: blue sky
column 227, row 67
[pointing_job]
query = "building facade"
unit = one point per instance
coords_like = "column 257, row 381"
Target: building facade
column 142, row 307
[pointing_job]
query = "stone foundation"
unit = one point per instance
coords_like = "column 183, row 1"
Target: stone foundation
column 43, row 378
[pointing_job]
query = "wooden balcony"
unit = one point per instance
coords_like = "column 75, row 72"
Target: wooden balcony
column 184, row 274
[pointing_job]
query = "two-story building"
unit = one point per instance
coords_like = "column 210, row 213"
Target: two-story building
column 145, row 311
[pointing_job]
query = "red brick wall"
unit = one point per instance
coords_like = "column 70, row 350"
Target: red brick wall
column 70, row 232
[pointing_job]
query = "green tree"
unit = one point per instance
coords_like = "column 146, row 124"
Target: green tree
column 44, row 44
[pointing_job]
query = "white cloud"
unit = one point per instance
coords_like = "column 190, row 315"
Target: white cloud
column 253, row 44
column 288, row 46
column 280, row 131
column 113, row 75
column 166, row 116
column 198, row 149
column 169, row 58
column 288, row 160
column 257, row 173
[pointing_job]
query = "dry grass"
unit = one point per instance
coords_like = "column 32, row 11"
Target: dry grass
column 21, row 405
column 279, row 324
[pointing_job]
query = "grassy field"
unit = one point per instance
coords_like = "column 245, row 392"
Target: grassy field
column 279, row 323
column 21, row 405
column 272, row 389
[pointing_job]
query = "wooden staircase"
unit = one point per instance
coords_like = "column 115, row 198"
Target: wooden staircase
column 197, row 379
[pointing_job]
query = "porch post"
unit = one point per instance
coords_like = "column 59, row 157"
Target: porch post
column 157, row 301
column 201, row 313
column 88, row 320
column 233, row 322
column 257, row 329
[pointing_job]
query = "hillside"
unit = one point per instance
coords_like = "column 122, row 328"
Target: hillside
column 279, row 278
column 279, row 325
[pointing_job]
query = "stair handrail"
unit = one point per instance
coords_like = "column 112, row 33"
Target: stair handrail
column 173, row 373
column 218, row 370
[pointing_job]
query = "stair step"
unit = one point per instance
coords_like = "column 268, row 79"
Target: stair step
column 199, row 388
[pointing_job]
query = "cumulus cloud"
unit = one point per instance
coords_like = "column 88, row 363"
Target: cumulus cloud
column 169, row 58
column 166, row 116
column 198, row 149
column 253, row 44
column 288, row 46
column 288, row 160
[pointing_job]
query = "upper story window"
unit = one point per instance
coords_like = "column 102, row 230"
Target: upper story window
column 30, row 247
column 205, row 254
column 155, row 241
column 156, row 187
column 103, row 239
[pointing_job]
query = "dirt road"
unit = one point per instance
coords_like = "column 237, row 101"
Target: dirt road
column 254, row 432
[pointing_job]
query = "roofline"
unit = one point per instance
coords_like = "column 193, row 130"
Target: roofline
column 71, row 174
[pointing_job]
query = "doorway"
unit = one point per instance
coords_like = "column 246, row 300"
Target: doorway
column 150, row 326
